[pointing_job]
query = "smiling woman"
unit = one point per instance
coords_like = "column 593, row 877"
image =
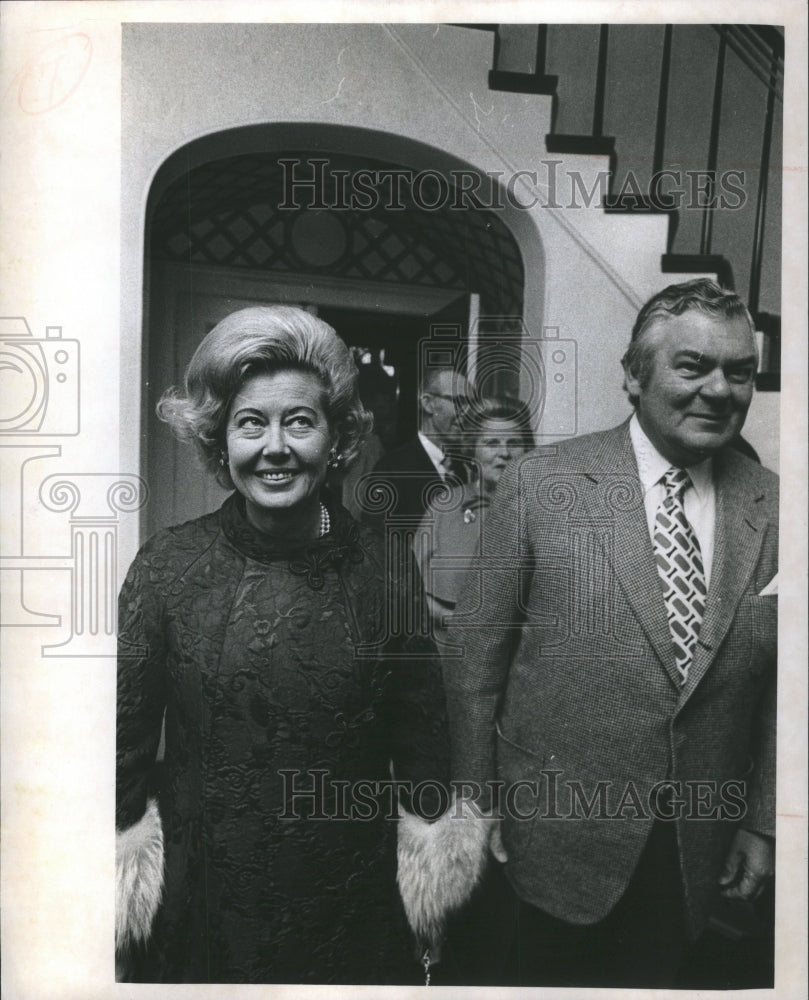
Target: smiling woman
column 278, row 383
column 260, row 634
column 278, row 440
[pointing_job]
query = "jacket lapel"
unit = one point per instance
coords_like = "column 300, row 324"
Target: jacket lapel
column 738, row 537
column 616, row 501
column 421, row 460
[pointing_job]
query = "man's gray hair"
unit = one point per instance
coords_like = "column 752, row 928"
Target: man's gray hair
column 700, row 294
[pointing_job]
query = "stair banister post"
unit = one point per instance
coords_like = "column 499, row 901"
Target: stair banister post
column 713, row 148
column 601, row 81
column 761, row 195
column 662, row 102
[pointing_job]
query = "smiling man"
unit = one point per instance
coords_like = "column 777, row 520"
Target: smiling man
column 619, row 673
column 690, row 374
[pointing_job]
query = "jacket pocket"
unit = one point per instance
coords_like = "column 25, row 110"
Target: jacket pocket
column 523, row 773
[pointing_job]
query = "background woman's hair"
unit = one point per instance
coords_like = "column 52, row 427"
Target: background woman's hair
column 261, row 340
column 482, row 408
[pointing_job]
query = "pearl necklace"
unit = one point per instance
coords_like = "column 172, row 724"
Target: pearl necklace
column 325, row 521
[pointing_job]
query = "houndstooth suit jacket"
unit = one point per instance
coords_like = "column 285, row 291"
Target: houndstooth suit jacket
column 567, row 689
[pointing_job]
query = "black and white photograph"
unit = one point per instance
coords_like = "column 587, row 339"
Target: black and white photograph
column 399, row 410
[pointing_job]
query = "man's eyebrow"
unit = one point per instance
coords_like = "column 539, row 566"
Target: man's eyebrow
column 687, row 352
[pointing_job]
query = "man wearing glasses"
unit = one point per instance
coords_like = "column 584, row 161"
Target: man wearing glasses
column 423, row 461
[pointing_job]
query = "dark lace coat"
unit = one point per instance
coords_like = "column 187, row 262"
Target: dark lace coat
column 250, row 649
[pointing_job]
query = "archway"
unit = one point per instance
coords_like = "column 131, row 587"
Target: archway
column 382, row 245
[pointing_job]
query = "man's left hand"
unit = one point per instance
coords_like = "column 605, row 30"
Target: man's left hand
column 749, row 866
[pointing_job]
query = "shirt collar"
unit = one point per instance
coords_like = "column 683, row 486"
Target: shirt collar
column 652, row 465
column 434, row 453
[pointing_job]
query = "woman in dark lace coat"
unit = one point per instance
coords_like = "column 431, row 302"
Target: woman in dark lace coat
column 261, row 634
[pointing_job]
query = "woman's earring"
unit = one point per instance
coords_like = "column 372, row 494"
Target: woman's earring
column 334, row 459
column 223, row 458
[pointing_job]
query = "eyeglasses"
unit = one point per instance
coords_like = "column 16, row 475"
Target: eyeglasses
column 457, row 400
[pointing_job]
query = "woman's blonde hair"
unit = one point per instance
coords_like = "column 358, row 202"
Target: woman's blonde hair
column 260, row 340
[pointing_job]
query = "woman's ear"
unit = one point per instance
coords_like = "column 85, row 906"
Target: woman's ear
column 334, row 458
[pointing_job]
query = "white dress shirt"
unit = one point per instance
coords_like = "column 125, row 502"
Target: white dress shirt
column 699, row 500
column 435, row 454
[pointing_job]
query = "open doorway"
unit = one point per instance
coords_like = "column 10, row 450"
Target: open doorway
column 388, row 343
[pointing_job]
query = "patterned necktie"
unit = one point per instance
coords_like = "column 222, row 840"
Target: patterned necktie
column 679, row 564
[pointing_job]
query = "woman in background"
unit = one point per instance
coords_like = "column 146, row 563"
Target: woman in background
column 453, row 528
column 259, row 633
column 497, row 430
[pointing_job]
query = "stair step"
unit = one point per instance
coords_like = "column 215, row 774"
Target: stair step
column 522, row 83
column 698, row 263
column 587, row 145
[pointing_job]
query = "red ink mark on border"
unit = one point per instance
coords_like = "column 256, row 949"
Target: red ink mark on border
column 51, row 76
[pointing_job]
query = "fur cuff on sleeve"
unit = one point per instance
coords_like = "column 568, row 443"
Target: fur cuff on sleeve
column 138, row 878
column 440, row 864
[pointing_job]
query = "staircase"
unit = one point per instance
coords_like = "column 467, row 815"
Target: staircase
column 689, row 118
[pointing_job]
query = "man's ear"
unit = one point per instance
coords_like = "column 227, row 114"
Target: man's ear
column 426, row 402
column 632, row 383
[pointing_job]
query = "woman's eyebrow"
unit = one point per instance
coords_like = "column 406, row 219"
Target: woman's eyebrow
column 246, row 408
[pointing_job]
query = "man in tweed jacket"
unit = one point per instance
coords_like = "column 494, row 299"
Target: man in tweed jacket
column 631, row 794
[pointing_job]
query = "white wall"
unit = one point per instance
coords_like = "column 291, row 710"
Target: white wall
column 586, row 272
